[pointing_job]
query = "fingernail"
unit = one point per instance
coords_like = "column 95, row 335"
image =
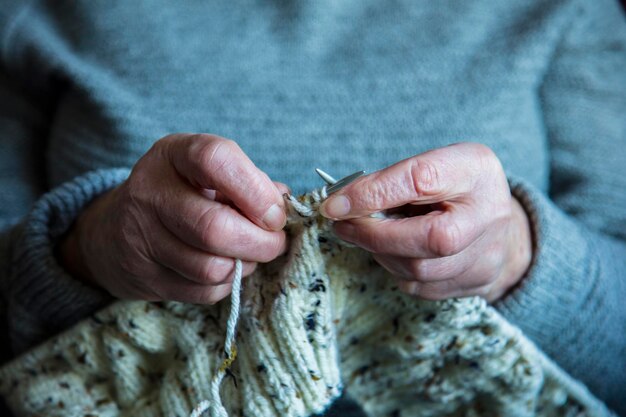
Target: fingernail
column 275, row 217
column 335, row 207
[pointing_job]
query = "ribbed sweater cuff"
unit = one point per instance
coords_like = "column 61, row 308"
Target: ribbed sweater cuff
column 561, row 275
column 42, row 293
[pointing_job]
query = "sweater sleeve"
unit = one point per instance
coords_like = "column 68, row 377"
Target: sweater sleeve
column 572, row 300
column 37, row 297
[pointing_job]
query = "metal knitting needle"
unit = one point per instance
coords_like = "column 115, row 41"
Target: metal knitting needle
column 336, row 185
column 344, row 181
column 325, row 176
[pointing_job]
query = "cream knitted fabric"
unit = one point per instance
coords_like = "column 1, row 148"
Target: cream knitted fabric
column 319, row 319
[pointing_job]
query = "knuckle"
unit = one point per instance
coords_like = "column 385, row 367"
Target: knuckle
column 213, row 224
column 215, row 153
column 167, row 139
column 445, row 239
column 410, row 287
column 271, row 249
column 482, row 150
column 424, row 176
column 213, row 271
column 204, row 137
column 259, row 196
column 372, row 195
column 260, row 191
column 486, row 158
column 135, row 187
column 275, row 247
column 420, row 269
column 160, row 146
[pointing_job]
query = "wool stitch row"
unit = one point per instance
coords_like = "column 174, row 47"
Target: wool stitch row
column 319, row 320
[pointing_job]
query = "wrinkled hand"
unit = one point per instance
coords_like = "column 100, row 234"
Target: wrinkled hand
column 462, row 233
column 170, row 232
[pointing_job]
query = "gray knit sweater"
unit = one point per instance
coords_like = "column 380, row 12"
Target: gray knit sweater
column 87, row 86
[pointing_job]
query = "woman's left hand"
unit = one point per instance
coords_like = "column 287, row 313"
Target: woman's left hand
column 462, row 233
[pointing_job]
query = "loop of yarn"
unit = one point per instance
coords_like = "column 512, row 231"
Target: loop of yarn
column 308, row 204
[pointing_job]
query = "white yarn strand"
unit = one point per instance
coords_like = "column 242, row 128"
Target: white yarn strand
column 200, row 408
column 216, row 408
column 235, row 298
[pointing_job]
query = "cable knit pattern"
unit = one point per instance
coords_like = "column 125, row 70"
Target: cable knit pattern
column 319, row 319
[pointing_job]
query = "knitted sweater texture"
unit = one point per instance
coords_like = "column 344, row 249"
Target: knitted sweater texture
column 319, row 319
column 86, row 87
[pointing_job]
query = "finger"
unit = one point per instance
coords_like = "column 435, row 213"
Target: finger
column 221, row 197
column 163, row 284
column 206, row 269
column 426, row 270
column 440, row 290
column 212, row 162
column 437, row 175
column 391, row 264
column 467, row 274
column 194, row 264
column 434, row 235
column 214, row 227
column 173, row 287
column 467, row 278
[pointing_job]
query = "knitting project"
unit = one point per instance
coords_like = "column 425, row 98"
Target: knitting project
column 312, row 323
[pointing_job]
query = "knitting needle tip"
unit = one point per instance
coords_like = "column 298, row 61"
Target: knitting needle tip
column 325, row 176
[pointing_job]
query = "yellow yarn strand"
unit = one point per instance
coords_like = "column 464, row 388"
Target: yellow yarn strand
column 229, row 360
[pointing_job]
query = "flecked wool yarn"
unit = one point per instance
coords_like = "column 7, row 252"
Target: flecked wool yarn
column 321, row 319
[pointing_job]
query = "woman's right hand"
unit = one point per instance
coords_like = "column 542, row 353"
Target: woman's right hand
column 171, row 231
